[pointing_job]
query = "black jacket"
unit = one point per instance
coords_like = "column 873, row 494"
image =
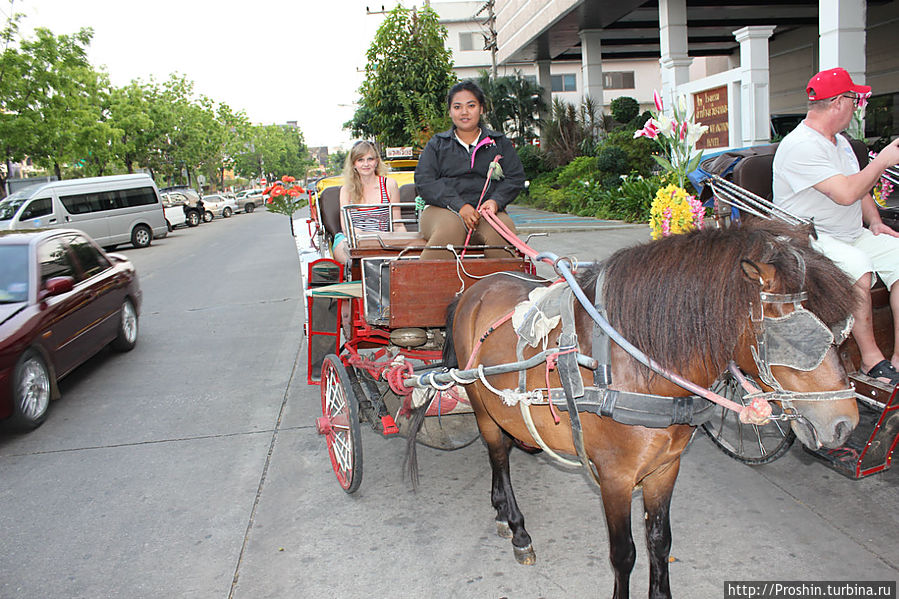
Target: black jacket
column 444, row 176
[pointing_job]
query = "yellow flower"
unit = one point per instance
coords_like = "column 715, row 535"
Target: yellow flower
column 673, row 211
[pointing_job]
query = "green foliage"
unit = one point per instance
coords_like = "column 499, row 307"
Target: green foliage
column 572, row 131
column 408, row 74
column 624, row 109
column 612, row 159
column 62, row 113
column 514, row 105
column 638, row 151
column 533, row 159
column 335, row 162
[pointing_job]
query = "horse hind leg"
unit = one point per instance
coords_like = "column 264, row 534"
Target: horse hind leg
column 509, row 519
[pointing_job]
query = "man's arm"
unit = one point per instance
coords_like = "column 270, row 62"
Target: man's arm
column 848, row 189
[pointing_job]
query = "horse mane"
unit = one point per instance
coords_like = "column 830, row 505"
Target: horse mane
column 684, row 299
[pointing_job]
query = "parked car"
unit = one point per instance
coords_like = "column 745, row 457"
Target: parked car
column 62, row 300
column 219, row 205
column 190, row 202
column 175, row 215
column 249, row 199
column 112, row 210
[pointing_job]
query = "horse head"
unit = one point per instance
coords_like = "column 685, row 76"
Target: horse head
column 793, row 351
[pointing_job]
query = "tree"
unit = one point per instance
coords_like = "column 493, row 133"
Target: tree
column 130, row 113
column 408, row 74
column 515, row 105
column 335, row 162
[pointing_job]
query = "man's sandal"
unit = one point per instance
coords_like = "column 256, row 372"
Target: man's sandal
column 884, row 370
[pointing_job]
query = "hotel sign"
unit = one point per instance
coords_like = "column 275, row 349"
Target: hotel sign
column 710, row 109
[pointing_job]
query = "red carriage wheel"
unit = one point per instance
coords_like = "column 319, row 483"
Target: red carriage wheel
column 748, row 443
column 339, row 424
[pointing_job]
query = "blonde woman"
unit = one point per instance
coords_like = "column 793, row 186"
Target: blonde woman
column 365, row 182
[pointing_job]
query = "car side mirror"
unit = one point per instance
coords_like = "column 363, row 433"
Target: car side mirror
column 56, row 286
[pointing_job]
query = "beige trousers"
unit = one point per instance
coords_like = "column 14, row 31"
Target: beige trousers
column 441, row 227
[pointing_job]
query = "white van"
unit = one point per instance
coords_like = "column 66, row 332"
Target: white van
column 112, row 210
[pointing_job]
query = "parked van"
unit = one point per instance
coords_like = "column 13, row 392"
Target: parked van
column 112, row 210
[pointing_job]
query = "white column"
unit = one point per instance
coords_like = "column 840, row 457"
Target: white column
column 754, row 86
column 841, row 41
column 591, row 65
column 673, row 41
column 544, row 79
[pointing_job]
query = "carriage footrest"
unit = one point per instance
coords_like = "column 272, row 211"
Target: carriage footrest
column 388, row 425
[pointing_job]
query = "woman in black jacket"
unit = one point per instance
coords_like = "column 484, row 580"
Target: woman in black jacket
column 451, row 173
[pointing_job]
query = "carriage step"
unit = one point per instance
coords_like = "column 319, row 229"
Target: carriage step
column 870, row 447
column 388, row 425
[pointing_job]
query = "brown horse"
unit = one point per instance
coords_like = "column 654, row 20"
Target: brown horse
column 686, row 301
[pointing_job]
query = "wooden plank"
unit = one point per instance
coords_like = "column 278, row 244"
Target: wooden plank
column 421, row 290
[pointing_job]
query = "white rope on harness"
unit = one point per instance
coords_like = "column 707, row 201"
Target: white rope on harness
column 529, row 422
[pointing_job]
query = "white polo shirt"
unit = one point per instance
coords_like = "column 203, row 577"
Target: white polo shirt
column 805, row 158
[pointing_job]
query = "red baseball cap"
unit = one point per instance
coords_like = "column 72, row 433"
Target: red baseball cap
column 833, row 82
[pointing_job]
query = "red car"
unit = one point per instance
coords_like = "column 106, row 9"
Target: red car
column 62, row 299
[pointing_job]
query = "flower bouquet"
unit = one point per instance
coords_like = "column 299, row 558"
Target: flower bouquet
column 673, row 209
column 286, row 197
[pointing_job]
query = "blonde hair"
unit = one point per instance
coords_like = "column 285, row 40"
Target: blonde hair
column 351, row 179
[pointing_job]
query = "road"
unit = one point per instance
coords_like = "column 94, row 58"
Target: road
column 190, row 467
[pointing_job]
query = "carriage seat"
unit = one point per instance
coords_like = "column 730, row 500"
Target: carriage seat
column 368, row 243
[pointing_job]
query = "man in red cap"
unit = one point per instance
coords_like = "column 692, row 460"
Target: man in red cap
column 816, row 175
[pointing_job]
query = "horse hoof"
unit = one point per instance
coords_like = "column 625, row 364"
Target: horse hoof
column 525, row 555
column 503, row 530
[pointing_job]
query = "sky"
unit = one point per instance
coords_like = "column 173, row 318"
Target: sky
column 277, row 60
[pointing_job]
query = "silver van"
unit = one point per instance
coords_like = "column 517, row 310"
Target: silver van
column 112, row 210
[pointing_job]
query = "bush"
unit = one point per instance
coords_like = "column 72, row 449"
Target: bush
column 638, row 151
column 612, row 159
column 630, row 201
column 624, row 109
column 533, row 159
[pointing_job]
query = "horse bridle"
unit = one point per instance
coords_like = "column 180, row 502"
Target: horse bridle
column 799, row 340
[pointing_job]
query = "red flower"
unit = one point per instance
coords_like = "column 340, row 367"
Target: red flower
column 285, row 178
column 267, row 189
column 293, row 192
column 290, row 179
column 277, row 191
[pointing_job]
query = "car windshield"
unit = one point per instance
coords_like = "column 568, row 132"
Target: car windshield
column 10, row 206
column 13, row 273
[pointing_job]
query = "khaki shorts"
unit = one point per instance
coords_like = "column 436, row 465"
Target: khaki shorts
column 868, row 253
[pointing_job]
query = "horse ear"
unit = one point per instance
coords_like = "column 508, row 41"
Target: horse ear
column 762, row 274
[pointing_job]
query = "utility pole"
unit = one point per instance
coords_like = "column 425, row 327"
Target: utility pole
column 490, row 38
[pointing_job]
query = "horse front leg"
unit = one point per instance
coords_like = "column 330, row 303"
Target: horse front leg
column 657, row 490
column 616, row 501
column 509, row 519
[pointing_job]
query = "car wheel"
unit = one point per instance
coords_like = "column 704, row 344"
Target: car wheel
column 226, row 213
column 193, row 218
column 208, row 216
column 31, row 391
column 141, row 236
column 249, row 208
column 127, row 337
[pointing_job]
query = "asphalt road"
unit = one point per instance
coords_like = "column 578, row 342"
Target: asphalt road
column 190, row 467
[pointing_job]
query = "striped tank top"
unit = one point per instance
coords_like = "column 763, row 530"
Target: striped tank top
column 376, row 217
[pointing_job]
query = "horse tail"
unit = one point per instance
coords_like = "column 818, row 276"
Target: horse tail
column 450, row 360
column 410, row 461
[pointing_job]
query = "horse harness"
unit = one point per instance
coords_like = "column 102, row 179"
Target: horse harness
column 798, row 340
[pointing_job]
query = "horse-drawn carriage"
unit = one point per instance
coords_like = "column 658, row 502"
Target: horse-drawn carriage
column 378, row 319
column 698, row 305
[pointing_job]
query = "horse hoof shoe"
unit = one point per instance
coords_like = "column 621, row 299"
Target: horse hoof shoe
column 503, row 530
column 525, row 555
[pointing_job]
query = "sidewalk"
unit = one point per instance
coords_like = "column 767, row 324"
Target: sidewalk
column 531, row 220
